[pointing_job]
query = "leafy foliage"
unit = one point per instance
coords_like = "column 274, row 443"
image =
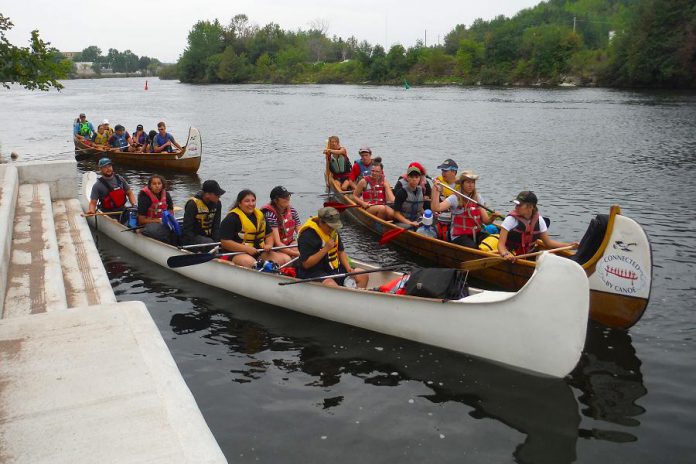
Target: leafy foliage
column 38, row 66
column 654, row 44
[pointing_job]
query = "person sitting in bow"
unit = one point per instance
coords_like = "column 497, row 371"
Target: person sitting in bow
column 321, row 250
column 361, row 168
column 110, row 191
column 164, row 141
column 523, row 226
column 153, row 200
column 139, row 139
column 202, row 215
column 283, row 221
column 468, row 218
column 244, row 230
column 373, row 192
column 338, row 162
column 121, row 139
column 83, row 127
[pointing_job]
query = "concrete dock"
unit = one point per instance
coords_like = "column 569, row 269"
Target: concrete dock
column 82, row 377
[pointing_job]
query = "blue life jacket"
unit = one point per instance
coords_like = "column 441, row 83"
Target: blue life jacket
column 121, row 140
column 159, row 140
column 364, row 170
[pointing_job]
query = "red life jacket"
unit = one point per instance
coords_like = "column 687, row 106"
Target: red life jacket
column 286, row 224
column 156, row 206
column 522, row 237
column 116, row 198
column 466, row 222
column 374, row 192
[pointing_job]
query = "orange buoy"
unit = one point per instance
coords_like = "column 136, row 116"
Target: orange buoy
column 145, row 85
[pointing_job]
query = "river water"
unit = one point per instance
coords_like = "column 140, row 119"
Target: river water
column 276, row 386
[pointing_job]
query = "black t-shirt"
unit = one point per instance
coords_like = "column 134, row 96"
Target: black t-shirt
column 191, row 227
column 144, row 202
column 308, row 244
column 231, row 226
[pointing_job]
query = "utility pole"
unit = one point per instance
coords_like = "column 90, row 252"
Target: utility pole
column 574, row 17
column 425, row 41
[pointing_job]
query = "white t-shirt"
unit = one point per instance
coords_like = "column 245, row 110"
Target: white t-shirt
column 453, row 200
column 510, row 222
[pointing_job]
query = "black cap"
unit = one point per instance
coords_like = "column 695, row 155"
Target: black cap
column 448, row 165
column 211, row 186
column 280, row 192
column 526, row 196
column 139, row 127
column 82, row 115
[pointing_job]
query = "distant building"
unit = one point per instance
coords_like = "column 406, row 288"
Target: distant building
column 611, row 35
column 84, row 68
column 70, row 55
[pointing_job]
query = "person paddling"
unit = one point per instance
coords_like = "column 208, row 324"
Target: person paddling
column 338, row 162
column 408, row 199
column 467, row 217
column 283, row 220
column 321, row 250
column 202, row 215
column 153, row 200
column 83, row 127
column 245, row 230
column 373, row 192
column 164, row 141
column 523, row 226
column 110, row 191
column 448, row 177
column 361, row 168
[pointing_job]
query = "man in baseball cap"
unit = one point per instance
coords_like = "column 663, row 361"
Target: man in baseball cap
column 361, row 168
column 110, row 191
column 322, row 253
column 202, row 216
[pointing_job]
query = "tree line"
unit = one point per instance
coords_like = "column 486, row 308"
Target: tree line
column 631, row 43
column 116, row 61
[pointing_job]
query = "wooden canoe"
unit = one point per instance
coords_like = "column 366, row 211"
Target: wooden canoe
column 620, row 271
column 188, row 161
column 540, row 328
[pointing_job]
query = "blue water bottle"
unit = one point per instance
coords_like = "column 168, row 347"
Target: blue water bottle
column 132, row 218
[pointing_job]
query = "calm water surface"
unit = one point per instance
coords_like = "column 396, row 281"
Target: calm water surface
column 276, row 386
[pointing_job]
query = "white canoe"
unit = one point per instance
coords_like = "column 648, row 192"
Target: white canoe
column 540, row 328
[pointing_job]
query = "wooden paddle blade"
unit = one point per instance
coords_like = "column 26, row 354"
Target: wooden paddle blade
column 340, row 207
column 189, row 260
column 483, row 263
column 390, row 235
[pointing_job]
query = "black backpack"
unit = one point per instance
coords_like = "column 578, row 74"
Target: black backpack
column 441, row 283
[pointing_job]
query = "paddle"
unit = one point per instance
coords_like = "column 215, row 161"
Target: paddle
column 484, row 263
column 390, row 235
column 186, row 247
column 133, row 228
column 193, row 259
column 339, row 206
column 102, row 213
column 457, row 192
column 345, row 274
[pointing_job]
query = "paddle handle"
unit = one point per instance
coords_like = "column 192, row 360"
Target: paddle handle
column 537, row 253
column 344, row 274
column 102, row 213
column 466, row 197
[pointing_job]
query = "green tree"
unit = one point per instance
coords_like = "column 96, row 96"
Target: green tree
column 91, row 53
column 233, row 68
column 204, row 40
column 38, row 66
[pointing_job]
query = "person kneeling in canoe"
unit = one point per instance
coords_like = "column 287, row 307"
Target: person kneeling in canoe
column 110, row 191
column 321, row 250
column 282, row 220
column 408, row 199
column 522, row 227
column 373, row 192
column 468, row 218
column 245, row 230
column 153, row 200
column 202, row 215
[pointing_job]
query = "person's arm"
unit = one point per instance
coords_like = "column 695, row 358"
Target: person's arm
column 131, row 197
column 388, row 192
column 174, row 142
column 502, row 248
column 551, row 243
column 92, row 207
column 435, row 205
column 357, row 194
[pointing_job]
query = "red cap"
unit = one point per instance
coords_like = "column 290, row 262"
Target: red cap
column 418, row 165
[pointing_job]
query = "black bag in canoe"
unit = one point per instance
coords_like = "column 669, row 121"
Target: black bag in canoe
column 441, row 283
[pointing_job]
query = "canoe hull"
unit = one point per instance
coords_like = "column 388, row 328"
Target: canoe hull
column 188, row 162
column 541, row 328
column 613, row 303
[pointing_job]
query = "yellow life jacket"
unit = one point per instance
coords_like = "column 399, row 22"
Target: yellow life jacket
column 101, row 139
column 446, row 191
column 204, row 216
column 251, row 234
column 332, row 255
column 490, row 243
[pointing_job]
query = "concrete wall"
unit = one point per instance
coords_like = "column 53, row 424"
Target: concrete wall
column 9, row 188
column 61, row 176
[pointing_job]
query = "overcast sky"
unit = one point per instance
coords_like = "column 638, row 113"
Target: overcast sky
column 159, row 28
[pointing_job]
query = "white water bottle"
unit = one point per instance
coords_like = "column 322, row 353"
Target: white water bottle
column 427, row 218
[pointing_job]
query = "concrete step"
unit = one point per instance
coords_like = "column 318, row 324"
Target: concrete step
column 86, row 282
column 96, row 384
column 34, row 278
column 9, row 188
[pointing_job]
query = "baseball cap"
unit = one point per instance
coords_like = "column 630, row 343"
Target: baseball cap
column 104, row 162
column 82, row 115
column 412, row 169
column 106, row 121
column 139, row 127
column 526, row 196
column 280, row 192
column 365, row 150
column 448, row 165
column 211, row 186
column 330, row 216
